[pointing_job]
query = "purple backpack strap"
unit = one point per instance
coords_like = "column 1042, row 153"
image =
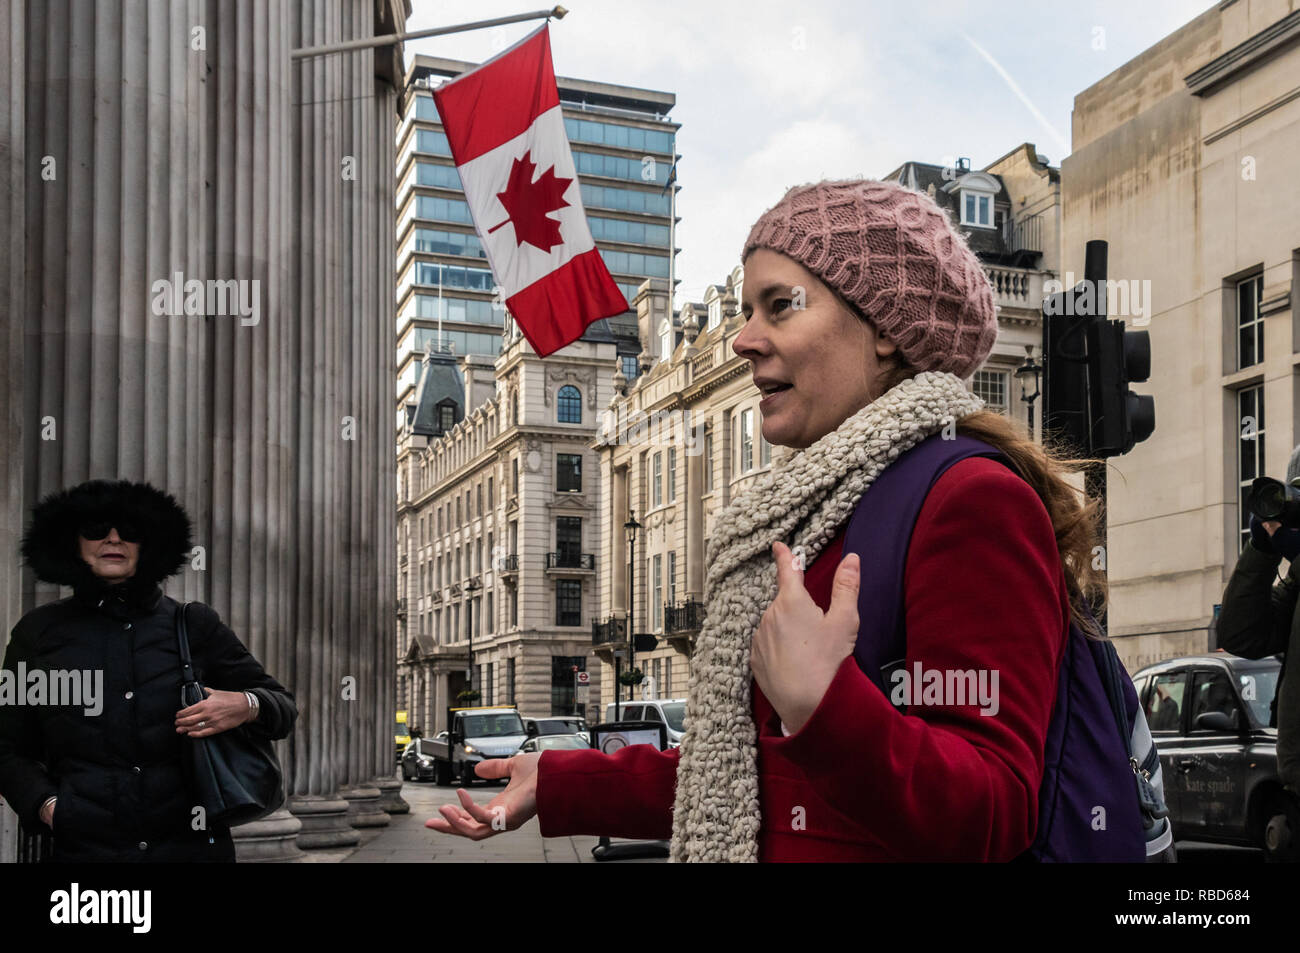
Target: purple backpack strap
column 880, row 532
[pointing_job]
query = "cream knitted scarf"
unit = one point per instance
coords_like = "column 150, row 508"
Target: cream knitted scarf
column 804, row 503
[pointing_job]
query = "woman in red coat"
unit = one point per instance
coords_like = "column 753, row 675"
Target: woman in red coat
column 865, row 310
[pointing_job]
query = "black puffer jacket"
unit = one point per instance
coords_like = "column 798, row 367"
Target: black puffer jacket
column 120, row 774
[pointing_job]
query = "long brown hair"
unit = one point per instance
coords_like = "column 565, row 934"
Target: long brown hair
column 1075, row 517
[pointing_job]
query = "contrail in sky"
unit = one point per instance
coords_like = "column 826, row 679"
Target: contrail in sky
column 1020, row 94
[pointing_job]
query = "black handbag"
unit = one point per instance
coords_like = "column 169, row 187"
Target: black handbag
column 235, row 774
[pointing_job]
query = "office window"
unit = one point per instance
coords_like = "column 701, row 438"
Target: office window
column 708, row 458
column 631, row 367
column 478, row 500
column 489, row 613
column 745, row 441
column 568, row 602
column 991, row 387
column 668, row 678
column 1250, row 452
column 514, row 474
column 514, row 607
column 569, row 405
column 659, row 480
column 672, row 577
column 657, row 592
column 568, row 470
column 672, row 474
column 458, row 519
column 568, row 540
column 764, row 450
column 492, row 491
column 510, row 682
column 1250, row 324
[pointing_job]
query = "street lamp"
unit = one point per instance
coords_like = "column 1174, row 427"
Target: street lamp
column 1024, row 373
column 631, row 528
column 471, row 587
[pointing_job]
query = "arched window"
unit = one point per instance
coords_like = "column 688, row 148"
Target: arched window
column 569, row 402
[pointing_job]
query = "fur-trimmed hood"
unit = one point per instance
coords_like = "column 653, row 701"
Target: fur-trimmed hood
column 51, row 548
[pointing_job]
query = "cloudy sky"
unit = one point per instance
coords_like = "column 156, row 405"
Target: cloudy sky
column 772, row 94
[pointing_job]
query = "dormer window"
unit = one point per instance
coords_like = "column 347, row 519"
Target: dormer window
column 715, row 313
column 975, row 192
column 976, row 209
column 665, row 340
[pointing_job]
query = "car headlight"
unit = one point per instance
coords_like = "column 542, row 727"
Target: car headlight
column 425, row 763
column 470, row 749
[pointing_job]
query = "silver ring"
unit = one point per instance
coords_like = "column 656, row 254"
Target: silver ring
column 202, row 723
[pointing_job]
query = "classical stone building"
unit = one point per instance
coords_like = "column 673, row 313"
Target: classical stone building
column 497, row 525
column 679, row 441
column 146, row 142
column 1185, row 162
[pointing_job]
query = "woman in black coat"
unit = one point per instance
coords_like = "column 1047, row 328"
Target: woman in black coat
column 107, row 772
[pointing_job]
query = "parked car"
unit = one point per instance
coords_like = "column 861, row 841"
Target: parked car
column 1209, row 717
column 670, row 711
column 475, row 734
column 557, row 725
column 554, row 743
column 417, row 760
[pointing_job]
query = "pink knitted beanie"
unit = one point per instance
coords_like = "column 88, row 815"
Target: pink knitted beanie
column 894, row 255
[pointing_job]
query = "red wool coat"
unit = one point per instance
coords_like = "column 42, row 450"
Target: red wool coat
column 984, row 590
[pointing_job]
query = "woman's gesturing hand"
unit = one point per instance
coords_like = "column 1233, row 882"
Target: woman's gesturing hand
column 219, row 712
column 797, row 648
column 506, row 812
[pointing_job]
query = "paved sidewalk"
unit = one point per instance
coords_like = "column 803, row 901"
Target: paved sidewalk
column 407, row 841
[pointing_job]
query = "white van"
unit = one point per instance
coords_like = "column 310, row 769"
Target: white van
column 670, row 711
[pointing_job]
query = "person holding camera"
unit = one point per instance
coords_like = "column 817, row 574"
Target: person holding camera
column 1259, row 618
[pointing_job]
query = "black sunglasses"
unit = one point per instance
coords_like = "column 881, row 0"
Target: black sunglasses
column 100, row 528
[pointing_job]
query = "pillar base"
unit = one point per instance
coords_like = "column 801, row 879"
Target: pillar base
column 364, row 809
column 390, row 796
column 271, row 840
column 325, row 822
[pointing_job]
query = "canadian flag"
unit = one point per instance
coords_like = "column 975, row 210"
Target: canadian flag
column 506, row 132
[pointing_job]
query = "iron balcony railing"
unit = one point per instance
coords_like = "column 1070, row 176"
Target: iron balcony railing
column 613, row 629
column 568, row 560
column 686, row 617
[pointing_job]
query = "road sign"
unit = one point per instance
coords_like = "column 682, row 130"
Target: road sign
column 583, row 678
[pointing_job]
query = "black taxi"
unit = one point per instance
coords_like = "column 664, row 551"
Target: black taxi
column 1209, row 716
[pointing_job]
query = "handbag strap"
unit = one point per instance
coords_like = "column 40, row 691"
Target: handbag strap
column 183, row 645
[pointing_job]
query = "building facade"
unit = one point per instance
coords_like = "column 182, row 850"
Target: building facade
column 1185, row 162
column 498, row 532
column 623, row 148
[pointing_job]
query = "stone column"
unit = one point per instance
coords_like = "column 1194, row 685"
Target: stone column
column 147, row 141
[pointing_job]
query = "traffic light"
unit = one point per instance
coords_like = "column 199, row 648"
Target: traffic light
column 1088, row 364
column 1117, row 357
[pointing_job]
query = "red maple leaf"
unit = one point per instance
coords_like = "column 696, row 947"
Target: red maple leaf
column 529, row 203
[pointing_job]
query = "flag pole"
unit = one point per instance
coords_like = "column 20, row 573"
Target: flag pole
column 393, row 38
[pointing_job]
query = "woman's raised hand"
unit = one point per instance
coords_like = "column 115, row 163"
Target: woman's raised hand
column 797, row 648
column 508, row 811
